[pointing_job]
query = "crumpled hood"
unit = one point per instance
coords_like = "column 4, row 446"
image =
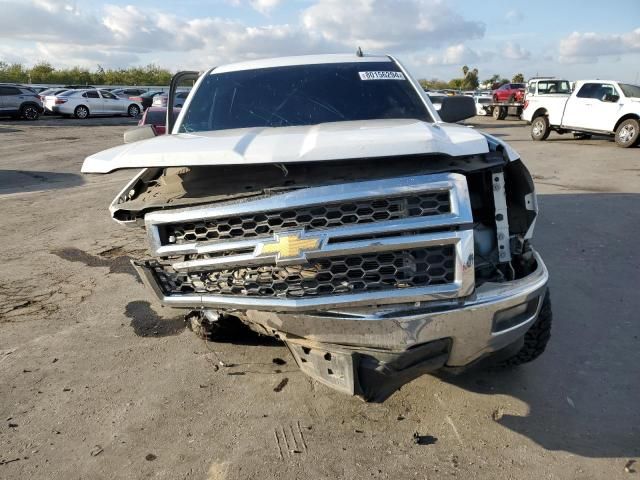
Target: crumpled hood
column 327, row 141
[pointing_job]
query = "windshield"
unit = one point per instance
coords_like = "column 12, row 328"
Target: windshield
column 302, row 95
column 67, row 93
column 630, row 90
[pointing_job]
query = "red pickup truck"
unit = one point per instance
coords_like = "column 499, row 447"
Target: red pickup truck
column 509, row 92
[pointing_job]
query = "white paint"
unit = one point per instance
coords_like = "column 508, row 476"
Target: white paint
column 576, row 113
column 327, row 141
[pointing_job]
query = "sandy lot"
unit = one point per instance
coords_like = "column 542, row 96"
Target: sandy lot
column 99, row 382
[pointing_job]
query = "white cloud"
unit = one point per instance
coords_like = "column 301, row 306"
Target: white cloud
column 587, row 47
column 513, row 51
column 389, row 24
column 514, row 16
column 453, row 55
column 264, row 6
column 118, row 35
column 78, row 55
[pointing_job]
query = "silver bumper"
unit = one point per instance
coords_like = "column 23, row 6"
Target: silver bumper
column 494, row 316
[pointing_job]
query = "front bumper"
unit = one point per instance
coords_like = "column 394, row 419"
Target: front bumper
column 371, row 351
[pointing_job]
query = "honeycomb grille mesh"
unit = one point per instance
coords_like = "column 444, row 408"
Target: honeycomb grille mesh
column 328, row 276
column 316, row 217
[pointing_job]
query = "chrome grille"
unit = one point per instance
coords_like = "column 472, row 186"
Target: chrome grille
column 325, row 276
column 316, row 217
column 366, row 243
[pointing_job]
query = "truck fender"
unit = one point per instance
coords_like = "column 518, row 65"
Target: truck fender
column 539, row 112
column 623, row 118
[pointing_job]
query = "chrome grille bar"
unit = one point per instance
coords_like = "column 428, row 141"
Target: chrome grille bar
column 452, row 228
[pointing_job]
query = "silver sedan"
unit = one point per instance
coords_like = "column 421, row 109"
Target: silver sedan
column 82, row 103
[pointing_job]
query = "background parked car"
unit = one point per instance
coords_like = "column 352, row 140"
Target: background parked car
column 51, row 91
column 509, row 92
column 482, row 102
column 161, row 100
column 127, row 92
column 18, row 101
column 157, row 117
column 82, row 103
column 146, row 99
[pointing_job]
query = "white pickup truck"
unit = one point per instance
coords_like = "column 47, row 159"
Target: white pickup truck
column 323, row 200
column 603, row 107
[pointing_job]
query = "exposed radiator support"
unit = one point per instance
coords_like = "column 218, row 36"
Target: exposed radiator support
column 502, row 221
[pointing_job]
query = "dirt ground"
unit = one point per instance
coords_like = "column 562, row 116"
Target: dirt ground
column 99, row 382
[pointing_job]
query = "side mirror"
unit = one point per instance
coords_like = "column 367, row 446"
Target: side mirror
column 139, row 133
column 457, row 108
column 610, row 97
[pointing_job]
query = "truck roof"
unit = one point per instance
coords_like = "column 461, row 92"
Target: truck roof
column 598, row 80
column 299, row 60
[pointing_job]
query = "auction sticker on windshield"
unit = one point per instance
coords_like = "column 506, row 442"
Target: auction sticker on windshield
column 381, row 75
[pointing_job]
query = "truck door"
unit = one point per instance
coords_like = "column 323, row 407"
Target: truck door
column 588, row 109
column 112, row 104
column 10, row 99
column 2, row 101
column 94, row 102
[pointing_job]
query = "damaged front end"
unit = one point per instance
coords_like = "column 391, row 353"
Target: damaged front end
column 373, row 272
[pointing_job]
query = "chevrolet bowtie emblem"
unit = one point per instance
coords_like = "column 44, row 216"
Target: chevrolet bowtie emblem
column 289, row 246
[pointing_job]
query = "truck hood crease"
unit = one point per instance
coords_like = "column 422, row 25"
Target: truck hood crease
column 327, row 141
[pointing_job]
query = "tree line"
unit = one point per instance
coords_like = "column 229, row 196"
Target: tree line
column 44, row 72
column 469, row 81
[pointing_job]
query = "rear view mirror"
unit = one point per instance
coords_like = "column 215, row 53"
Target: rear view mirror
column 139, row 133
column 610, row 97
column 457, row 108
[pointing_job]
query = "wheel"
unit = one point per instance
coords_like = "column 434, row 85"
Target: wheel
column 512, row 98
column 536, row 338
column 628, row 133
column 30, row 112
column 133, row 110
column 500, row 113
column 540, row 129
column 581, row 136
column 81, row 112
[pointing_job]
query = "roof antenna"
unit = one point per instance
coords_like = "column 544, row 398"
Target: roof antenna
column 359, row 52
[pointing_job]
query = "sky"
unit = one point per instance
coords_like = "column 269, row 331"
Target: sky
column 433, row 38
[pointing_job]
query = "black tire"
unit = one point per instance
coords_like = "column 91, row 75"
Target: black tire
column 536, row 338
column 30, row 112
column 81, row 112
column 133, row 110
column 540, row 128
column 499, row 113
column 628, row 133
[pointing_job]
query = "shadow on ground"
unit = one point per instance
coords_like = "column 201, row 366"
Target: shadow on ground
column 583, row 392
column 56, row 121
column 14, row 181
